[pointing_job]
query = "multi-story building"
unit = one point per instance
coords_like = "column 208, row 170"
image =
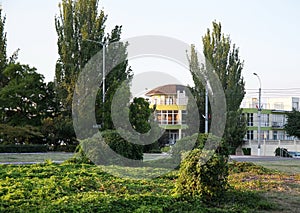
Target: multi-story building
column 170, row 102
column 273, row 117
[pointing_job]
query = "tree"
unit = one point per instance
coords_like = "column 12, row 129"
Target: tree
column 140, row 117
column 22, row 99
column 292, row 127
column 223, row 58
column 3, row 59
column 77, row 23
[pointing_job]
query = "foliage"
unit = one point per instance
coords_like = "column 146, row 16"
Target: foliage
column 140, row 116
column 78, row 21
column 282, row 152
column 19, row 134
column 246, row 151
column 101, row 149
column 3, row 59
column 203, row 173
column 292, row 127
column 58, row 130
column 69, row 187
column 23, row 98
column 81, row 34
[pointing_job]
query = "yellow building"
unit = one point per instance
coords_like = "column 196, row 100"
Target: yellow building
column 170, row 102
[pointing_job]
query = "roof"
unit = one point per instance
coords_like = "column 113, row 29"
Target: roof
column 170, row 89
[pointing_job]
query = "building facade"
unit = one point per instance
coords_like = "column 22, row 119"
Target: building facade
column 170, row 102
column 273, row 118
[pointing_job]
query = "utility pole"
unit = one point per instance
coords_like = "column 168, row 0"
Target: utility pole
column 259, row 116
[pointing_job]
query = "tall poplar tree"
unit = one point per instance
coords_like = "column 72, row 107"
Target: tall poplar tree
column 81, row 32
column 223, row 58
column 225, row 61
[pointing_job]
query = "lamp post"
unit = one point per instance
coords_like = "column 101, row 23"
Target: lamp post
column 258, row 115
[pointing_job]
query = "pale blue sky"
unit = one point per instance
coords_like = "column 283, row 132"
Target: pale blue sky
column 267, row 32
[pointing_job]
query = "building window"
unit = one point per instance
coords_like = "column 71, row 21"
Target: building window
column 275, row 136
column 167, row 117
column 265, row 120
column 278, row 106
column 278, row 121
column 250, row 119
column 265, row 134
column 295, row 105
column 250, row 135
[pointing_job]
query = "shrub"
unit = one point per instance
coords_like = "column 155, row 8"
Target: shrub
column 108, row 147
column 204, row 174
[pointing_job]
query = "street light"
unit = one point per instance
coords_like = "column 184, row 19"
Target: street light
column 258, row 115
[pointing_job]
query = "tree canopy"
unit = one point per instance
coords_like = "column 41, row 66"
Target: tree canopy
column 292, row 127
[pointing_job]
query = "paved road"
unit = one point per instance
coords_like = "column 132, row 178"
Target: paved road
column 248, row 158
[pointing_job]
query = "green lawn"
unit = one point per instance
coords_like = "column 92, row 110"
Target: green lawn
column 287, row 166
column 66, row 187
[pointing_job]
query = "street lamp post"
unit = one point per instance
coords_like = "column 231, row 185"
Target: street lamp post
column 259, row 116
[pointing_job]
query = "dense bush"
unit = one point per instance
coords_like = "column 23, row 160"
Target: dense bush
column 108, row 147
column 204, row 174
column 23, row 148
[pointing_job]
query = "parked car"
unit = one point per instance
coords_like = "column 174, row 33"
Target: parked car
column 294, row 154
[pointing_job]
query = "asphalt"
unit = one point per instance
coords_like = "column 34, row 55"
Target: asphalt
column 251, row 158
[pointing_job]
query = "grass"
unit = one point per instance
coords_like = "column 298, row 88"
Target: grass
column 288, row 166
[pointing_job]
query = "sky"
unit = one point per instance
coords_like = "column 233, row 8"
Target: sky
column 266, row 32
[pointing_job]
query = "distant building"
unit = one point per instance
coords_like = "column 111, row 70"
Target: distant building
column 273, row 117
column 170, row 102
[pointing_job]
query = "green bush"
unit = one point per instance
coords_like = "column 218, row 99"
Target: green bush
column 23, row 148
column 108, row 148
column 204, row 174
